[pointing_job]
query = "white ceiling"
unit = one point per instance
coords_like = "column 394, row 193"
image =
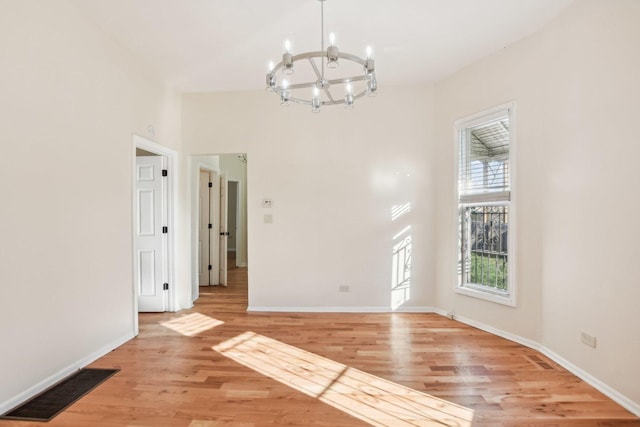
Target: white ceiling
column 220, row 45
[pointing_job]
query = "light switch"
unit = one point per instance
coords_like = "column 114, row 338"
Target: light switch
column 268, row 219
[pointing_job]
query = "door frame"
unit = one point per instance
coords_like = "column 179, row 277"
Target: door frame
column 224, row 230
column 172, row 186
column 238, row 230
column 208, row 232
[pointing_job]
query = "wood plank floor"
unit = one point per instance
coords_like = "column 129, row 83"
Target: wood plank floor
column 217, row 365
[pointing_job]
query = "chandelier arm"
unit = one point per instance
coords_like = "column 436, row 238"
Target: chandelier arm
column 352, row 57
column 303, row 101
column 316, row 54
column 300, row 101
column 305, row 55
column 328, row 83
column 331, row 82
column 315, row 68
column 321, row 78
column 276, row 68
column 323, row 54
column 320, row 54
column 360, row 95
column 328, row 93
column 346, row 80
column 302, row 85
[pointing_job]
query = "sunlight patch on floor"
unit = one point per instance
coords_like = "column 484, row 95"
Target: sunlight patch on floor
column 192, row 324
column 372, row 399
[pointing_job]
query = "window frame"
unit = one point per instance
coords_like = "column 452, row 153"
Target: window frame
column 460, row 127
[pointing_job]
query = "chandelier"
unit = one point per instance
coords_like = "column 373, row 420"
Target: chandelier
column 324, row 77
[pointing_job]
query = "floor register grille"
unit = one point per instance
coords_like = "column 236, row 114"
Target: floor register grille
column 57, row 398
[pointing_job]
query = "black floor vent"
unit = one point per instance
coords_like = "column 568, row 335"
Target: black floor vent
column 56, row 399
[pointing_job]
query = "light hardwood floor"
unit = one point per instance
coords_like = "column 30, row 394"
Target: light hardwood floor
column 217, row 365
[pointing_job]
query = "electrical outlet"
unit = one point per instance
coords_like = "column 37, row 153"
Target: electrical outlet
column 343, row 288
column 587, row 339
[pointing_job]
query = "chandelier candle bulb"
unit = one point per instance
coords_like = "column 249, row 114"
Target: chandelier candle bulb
column 348, row 98
column 348, row 101
column 287, row 58
column 369, row 66
column 315, row 101
column 332, row 57
column 372, row 85
column 287, row 61
column 332, row 52
column 271, row 78
column 284, row 96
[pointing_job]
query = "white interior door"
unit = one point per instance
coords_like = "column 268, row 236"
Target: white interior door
column 204, row 238
column 224, row 233
column 150, row 243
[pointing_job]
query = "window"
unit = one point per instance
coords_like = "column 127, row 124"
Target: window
column 485, row 217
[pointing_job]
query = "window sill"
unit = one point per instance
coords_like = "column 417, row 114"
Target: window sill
column 498, row 298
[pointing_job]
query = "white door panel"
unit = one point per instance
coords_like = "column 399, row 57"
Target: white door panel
column 146, row 212
column 150, row 244
column 147, row 273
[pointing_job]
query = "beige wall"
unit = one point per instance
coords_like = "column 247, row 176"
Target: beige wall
column 334, row 178
column 576, row 87
column 70, row 100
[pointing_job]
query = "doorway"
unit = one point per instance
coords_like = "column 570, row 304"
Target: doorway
column 153, row 226
column 209, row 226
column 218, row 218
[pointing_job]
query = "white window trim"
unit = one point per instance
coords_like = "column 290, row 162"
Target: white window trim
column 509, row 299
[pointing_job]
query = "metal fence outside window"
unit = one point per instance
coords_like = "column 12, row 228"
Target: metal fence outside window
column 485, row 256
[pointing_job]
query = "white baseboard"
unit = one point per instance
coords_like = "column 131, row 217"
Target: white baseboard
column 60, row 375
column 341, row 309
column 319, row 309
column 241, row 264
column 416, row 309
column 622, row 400
column 499, row 332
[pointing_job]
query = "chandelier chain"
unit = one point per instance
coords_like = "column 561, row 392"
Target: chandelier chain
column 322, row 34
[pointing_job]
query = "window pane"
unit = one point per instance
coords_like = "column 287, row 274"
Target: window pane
column 485, row 251
column 484, row 157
